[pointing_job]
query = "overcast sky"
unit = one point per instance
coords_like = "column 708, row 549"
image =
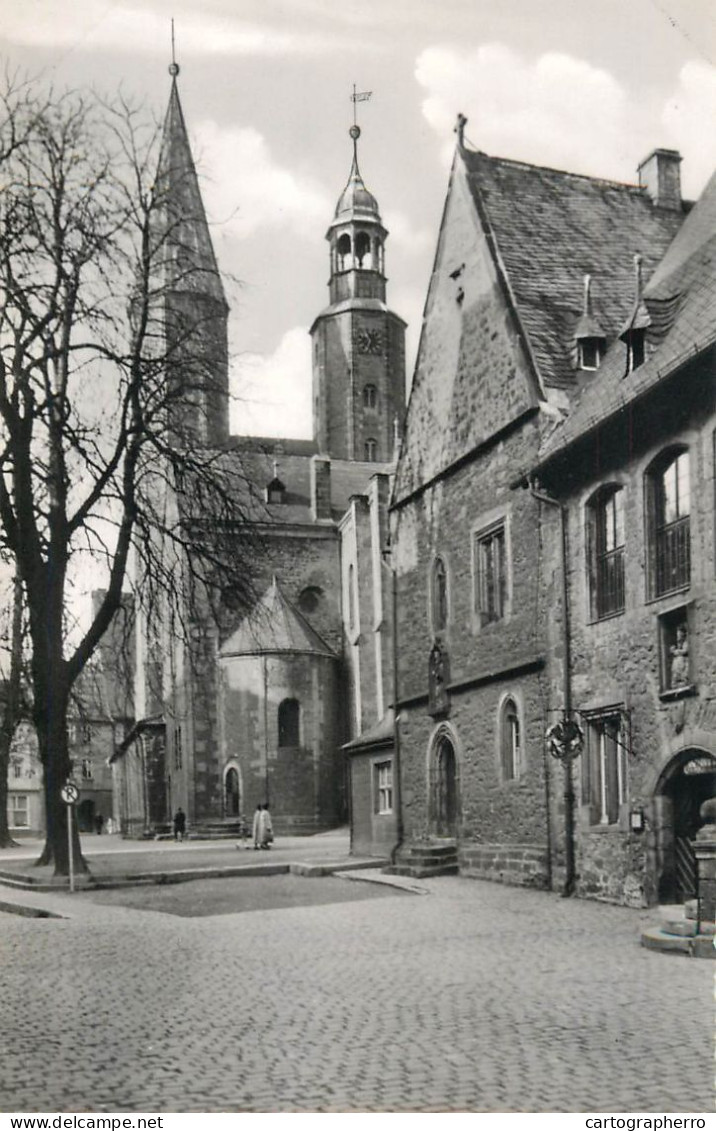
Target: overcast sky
column 587, row 85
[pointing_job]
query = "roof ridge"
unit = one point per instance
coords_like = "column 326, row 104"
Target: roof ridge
column 517, row 163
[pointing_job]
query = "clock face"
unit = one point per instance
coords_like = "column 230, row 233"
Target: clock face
column 369, row 341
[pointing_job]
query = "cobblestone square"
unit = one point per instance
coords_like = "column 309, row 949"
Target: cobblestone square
column 471, row 997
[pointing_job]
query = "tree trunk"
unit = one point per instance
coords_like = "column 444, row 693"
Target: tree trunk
column 11, row 714
column 6, row 840
column 52, row 735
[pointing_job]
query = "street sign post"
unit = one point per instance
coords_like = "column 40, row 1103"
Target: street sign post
column 69, row 794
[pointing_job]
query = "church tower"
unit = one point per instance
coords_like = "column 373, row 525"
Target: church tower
column 358, row 343
column 191, row 298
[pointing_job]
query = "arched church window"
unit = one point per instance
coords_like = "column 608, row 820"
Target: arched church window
column 364, row 258
column 289, row 713
column 344, row 252
column 309, row 599
column 370, row 450
column 370, row 397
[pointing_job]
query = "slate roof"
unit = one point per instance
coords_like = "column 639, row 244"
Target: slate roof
column 681, row 300
column 293, row 460
column 273, row 626
column 550, row 229
column 189, row 263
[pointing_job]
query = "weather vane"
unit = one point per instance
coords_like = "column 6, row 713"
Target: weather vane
column 173, row 66
column 357, row 96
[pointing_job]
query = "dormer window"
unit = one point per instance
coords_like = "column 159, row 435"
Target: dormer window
column 588, row 334
column 634, row 333
column 589, row 352
column 276, row 489
column 635, row 349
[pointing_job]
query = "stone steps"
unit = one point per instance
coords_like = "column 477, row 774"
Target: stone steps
column 422, row 860
column 682, row 935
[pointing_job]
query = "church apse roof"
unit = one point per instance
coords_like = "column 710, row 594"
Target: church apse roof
column 274, row 626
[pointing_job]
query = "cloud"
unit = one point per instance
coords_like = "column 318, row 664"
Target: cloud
column 405, row 236
column 89, row 24
column 686, row 117
column 557, row 110
column 561, row 111
column 245, row 189
column 273, row 393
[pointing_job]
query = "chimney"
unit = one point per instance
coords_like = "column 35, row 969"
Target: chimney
column 659, row 174
column 321, row 488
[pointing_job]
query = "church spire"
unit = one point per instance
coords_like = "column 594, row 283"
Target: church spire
column 195, row 310
column 190, row 260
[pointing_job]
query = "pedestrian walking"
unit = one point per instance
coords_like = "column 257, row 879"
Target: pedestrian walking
column 179, row 824
column 98, row 824
column 266, row 828
column 256, row 829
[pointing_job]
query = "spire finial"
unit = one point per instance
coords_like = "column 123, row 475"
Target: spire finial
column 460, row 129
column 354, row 131
column 173, row 66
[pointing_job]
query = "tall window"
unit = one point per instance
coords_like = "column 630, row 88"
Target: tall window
column 383, row 787
column 370, row 396
column 669, row 509
column 288, row 722
column 370, row 449
column 352, row 599
column 491, row 574
column 604, row 785
column 87, row 770
column 606, row 551
column 439, row 595
column 18, row 811
column 510, row 741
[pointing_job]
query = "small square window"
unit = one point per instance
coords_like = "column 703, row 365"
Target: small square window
column 383, row 772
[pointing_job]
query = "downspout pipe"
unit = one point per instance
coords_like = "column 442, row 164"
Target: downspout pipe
column 569, row 846
column 400, row 835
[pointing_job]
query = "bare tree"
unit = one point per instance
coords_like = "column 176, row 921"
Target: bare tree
column 113, row 390
column 14, row 705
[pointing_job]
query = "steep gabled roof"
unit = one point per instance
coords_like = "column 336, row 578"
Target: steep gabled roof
column 527, row 237
column 274, row 625
column 681, row 300
column 550, row 229
column 188, row 256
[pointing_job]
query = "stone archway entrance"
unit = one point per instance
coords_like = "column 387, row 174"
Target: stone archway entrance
column 232, row 793
column 444, row 787
column 687, row 781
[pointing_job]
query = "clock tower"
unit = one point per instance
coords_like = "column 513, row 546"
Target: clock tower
column 358, row 343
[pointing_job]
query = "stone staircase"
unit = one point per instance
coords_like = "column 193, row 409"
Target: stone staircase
column 432, row 858
column 682, row 934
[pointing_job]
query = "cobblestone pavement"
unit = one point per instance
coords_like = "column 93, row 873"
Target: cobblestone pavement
column 474, row 997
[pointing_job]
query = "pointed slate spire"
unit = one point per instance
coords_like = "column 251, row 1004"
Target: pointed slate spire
column 189, row 263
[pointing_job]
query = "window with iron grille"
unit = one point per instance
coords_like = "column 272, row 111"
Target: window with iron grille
column 510, row 741
column 604, row 768
column 669, row 511
column 491, row 574
column 383, row 787
column 605, row 529
column 439, row 593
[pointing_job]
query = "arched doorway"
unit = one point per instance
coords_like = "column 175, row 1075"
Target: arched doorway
column 687, row 781
column 232, row 793
column 444, row 787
